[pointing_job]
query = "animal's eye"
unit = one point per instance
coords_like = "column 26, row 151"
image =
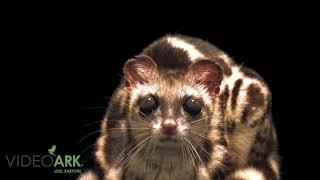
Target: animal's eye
column 192, row 106
column 148, row 104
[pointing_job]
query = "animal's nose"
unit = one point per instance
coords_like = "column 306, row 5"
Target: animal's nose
column 169, row 127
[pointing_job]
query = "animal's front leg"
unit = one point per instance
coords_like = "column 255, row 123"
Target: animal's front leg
column 203, row 173
column 251, row 173
column 114, row 174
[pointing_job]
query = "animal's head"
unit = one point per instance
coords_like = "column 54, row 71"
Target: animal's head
column 173, row 112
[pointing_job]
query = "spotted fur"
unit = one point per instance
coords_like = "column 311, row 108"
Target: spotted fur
column 236, row 139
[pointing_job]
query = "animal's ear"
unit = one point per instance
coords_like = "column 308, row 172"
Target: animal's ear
column 138, row 70
column 206, row 73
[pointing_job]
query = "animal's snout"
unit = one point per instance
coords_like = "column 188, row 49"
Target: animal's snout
column 169, row 127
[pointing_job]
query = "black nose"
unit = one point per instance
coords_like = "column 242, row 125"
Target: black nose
column 169, row 128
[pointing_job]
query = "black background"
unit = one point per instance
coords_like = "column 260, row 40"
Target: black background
column 60, row 66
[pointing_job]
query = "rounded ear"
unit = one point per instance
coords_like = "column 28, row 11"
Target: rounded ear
column 138, row 70
column 206, row 73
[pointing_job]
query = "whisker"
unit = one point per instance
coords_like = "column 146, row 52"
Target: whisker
column 182, row 149
column 199, row 120
column 128, row 146
column 195, row 151
column 146, row 117
column 139, row 149
column 199, row 135
column 190, row 155
column 86, row 136
column 131, row 153
column 127, row 128
column 153, row 150
column 91, row 123
column 145, row 154
column 131, row 122
column 199, row 144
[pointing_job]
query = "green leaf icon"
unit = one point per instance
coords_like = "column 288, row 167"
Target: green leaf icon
column 52, row 149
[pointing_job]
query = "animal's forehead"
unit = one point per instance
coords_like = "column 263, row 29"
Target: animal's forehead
column 171, row 94
column 172, row 88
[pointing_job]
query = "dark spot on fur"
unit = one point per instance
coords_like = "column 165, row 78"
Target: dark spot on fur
column 222, row 141
column 255, row 96
column 255, row 100
column 225, row 67
column 235, row 93
column 251, row 73
column 223, row 100
column 245, row 113
column 231, row 126
column 218, row 174
column 167, row 57
column 211, row 51
column 207, row 145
